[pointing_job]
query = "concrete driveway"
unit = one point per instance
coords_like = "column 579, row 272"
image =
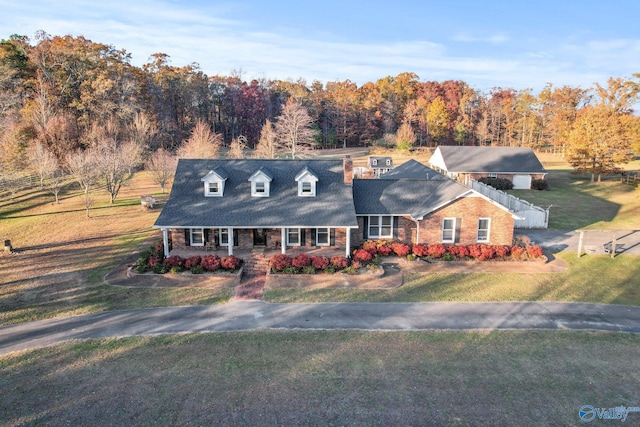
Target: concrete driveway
column 254, row 315
column 627, row 241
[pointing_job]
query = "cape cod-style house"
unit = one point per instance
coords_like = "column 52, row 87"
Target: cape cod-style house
column 298, row 204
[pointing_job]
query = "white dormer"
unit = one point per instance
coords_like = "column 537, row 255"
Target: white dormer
column 307, row 180
column 261, row 182
column 214, row 182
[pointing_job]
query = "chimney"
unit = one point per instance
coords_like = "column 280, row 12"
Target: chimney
column 347, row 167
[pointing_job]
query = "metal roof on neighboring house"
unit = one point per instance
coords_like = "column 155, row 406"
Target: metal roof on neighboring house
column 465, row 159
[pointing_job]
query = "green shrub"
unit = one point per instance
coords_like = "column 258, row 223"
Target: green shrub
column 497, row 183
column 159, row 268
column 411, row 257
column 447, row 257
column 197, row 270
column 351, row 270
column 330, row 270
column 176, row 270
column 309, row 269
column 290, row 270
column 539, row 184
column 143, row 258
column 141, row 269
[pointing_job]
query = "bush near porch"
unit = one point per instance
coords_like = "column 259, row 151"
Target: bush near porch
column 153, row 260
column 304, row 264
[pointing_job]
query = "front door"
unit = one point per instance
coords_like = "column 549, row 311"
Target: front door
column 259, row 237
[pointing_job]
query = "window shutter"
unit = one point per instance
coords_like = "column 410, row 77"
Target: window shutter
column 365, row 232
column 187, row 237
column 395, row 227
column 303, row 240
column 332, row 236
column 458, row 226
column 313, row 236
column 206, row 236
column 216, row 237
column 235, row 238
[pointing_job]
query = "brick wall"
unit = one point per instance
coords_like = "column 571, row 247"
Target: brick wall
column 467, row 211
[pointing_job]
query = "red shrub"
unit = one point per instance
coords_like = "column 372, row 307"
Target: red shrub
column 534, row 251
column 370, row 246
column 210, row 262
column 279, row 262
column 458, row 251
column 436, row 250
column 301, row 260
column 517, row 252
column 154, row 260
column 174, row 261
column 384, row 250
column 191, row 262
column 474, row 251
column 230, row 262
column 356, row 264
column 319, row 262
column 420, row 249
column 339, row 262
column 362, row 255
column 400, row 249
column 487, row 252
column 502, row 251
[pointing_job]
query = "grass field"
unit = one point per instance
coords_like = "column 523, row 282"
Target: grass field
column 597, row 279
column 324, row 378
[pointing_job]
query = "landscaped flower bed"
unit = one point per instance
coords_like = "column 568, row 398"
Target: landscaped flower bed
column 316, row 264
column 152, row 260
column 521, row 251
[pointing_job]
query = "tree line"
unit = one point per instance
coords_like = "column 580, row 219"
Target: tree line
column 64, row 96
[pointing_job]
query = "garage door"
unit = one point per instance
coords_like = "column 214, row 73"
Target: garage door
column 521, row 182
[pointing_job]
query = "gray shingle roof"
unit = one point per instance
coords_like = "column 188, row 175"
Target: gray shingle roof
column 404, row 196
column 412, row 169
column 188, row 207
column 490, row 159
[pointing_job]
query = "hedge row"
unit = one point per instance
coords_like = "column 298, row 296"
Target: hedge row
column 153, row 260
column 305, row 264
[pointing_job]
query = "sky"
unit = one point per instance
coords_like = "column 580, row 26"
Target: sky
column 516, row 44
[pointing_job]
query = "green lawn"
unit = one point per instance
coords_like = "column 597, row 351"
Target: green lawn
column 324, row 378
column 597, row 279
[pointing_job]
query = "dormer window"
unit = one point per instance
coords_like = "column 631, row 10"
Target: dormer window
column 261, row 183
column 374, row 162
column 307, row 180
column 214, row 182
column 388, row 162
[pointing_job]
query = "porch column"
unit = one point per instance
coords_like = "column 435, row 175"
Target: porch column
column 348, row 245
column 283, row 236
column 230, row 246
column 165, row 241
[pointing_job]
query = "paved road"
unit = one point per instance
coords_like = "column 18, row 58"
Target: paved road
column 627, row 241
column 251, row 315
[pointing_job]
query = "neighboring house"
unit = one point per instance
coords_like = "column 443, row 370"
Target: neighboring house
column 379, row 165
column 517, row 164
column 264, row 203
column 293, row 204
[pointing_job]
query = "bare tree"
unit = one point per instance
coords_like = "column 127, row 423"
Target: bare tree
column 237, row 148
column 56, row 183
column 202, row 144
column 113, row 163
column 42, row 162
column 162, row 166
column 82, row 167
column 293, row 129
column 267, row 147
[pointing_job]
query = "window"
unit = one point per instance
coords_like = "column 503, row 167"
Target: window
column 322, row 237
column 484, row 224
column 260, row 188
column 449, row 230
column 197, row 237
column 213, row 189
column 306, row 188
column 224, row 237
column 388, row 162
column 374, row 162
column 380, row 226
column 492, row 175
column 293, row 237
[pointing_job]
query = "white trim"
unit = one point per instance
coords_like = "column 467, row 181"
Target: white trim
column 453, row 230
column 226, row 231
column 328, row 233
column 379, row 234
column 299, row 236
column 488, row 230
column 207, row 189
column 196, row 231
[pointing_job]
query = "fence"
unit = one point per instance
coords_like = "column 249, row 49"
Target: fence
column 631, row 178
column 534, row 216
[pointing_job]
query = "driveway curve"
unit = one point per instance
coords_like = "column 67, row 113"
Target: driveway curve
column 254, row 315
